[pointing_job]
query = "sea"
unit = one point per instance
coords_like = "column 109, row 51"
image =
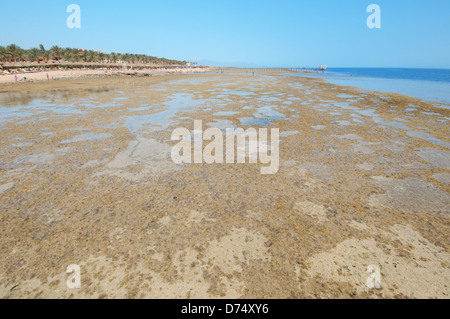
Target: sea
column 427, row 84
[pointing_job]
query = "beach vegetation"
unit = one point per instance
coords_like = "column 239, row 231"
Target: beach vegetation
column 12, row 54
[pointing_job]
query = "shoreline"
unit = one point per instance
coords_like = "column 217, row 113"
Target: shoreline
column 8, row 82
column 51, row 75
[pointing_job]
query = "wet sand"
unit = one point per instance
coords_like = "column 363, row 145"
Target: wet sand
column 86, row 178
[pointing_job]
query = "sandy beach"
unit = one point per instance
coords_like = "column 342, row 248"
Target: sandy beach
column 86, row 178
column 58, row 74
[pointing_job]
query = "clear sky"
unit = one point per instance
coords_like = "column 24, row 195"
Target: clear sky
column 414, row 33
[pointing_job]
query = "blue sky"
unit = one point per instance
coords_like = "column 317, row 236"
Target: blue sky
column 414, row 33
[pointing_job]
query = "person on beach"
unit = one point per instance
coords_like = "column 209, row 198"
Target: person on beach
column 15, row 77
column 48, row 78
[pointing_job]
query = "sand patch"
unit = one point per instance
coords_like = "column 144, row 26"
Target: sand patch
column 361, row 148
column 6, row 187
column 219, row 262
column 318, row 171
column 365, row 166
column 153, row 156
column 40, row 159
column 87, row 137
column 93, row 163
column 310, row 209
column 198, row 217
column 425, row 275
column 358, row 225
column 164, row 220
column 232, row 252
column 192, row 284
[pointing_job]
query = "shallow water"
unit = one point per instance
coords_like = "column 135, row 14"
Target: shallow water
column 250, row 121
column 87, row 137
column 438, row 91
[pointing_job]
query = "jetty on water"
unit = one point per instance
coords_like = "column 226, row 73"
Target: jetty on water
column 319, row 69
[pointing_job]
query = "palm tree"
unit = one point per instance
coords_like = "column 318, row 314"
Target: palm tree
column 3, row 54
column 42, row 48
column 100, row 57
column 44, row 53
column 67, row 56
column 120, row 57
column 75, row 55
column 113, row 57
column 13, row 51
column 57, row 52
column 92, row 56
column 21, row 55
column 84, row 55
column 34, row 54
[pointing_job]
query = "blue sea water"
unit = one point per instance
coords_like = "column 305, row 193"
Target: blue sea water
column 434, row 75
column 427, row 84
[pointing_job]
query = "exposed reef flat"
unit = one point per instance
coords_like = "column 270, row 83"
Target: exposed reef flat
column 86, row 178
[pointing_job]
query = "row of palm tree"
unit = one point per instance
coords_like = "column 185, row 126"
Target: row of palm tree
column 14, row 53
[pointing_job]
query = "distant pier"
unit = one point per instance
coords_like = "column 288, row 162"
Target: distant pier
column 319, row 69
